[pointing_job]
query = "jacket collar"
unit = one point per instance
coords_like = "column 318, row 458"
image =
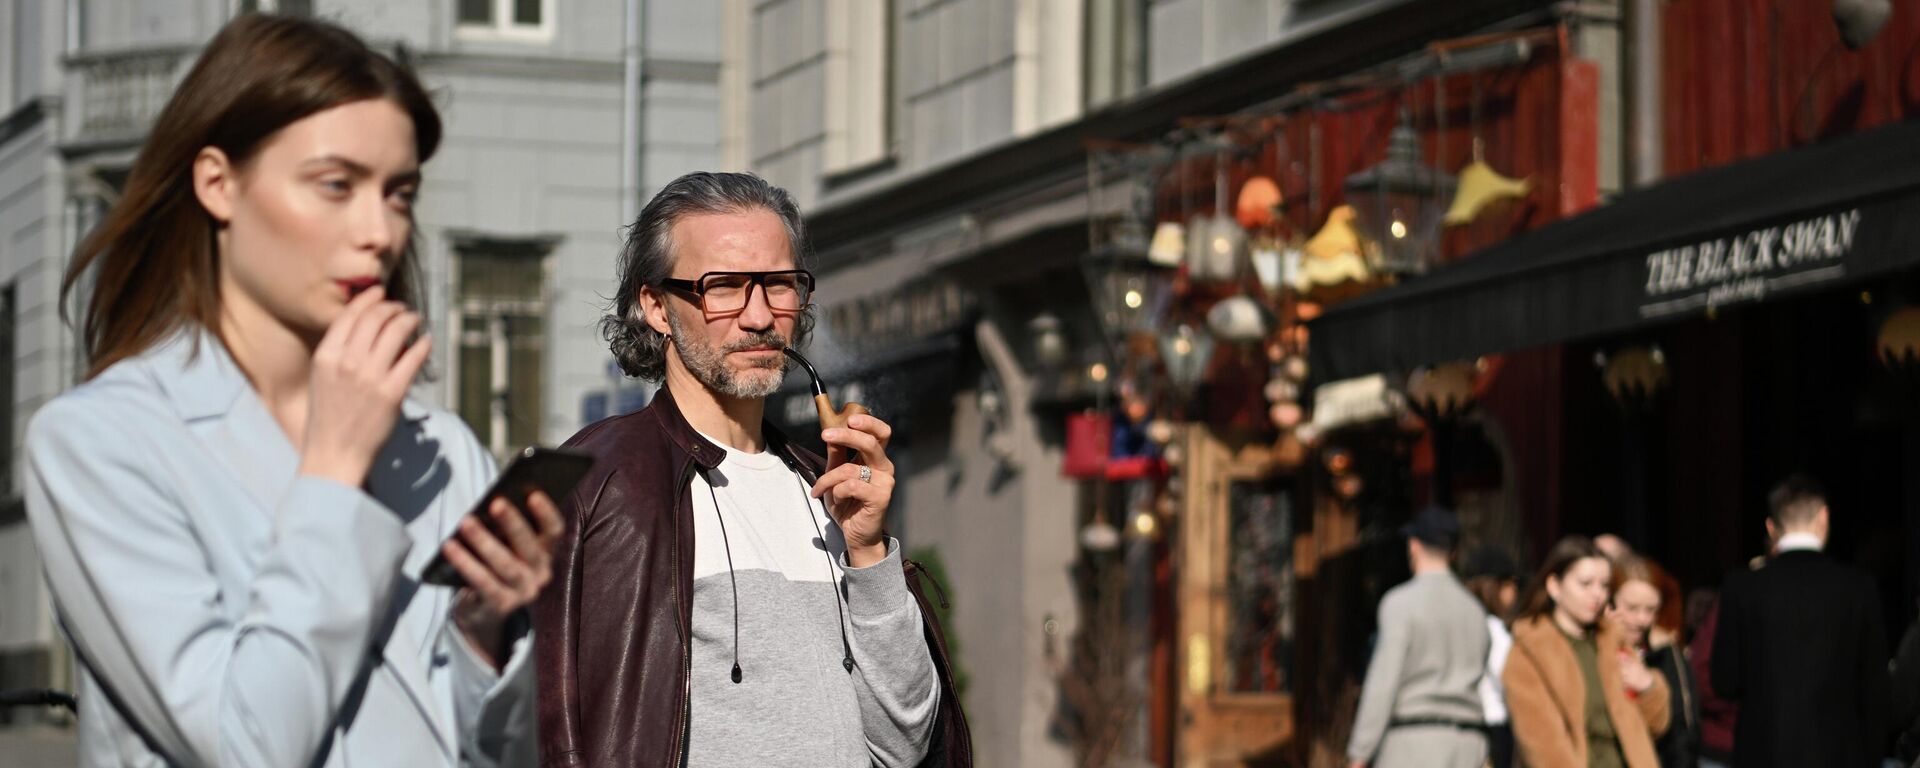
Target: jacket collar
column 202, row 380
column 706, row 455
column 1539, row 629
column 1535, row 629
column 198, row 375
column 673, row 422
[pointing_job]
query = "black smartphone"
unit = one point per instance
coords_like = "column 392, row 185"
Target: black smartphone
column 554, row 471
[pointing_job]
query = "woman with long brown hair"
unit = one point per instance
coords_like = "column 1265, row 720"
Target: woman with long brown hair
column 235, row 508
column 1566, row 692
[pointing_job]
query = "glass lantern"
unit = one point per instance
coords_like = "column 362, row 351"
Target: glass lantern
column 1400, row 204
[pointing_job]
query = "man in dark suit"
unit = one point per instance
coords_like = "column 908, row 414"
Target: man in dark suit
column 1801, row 646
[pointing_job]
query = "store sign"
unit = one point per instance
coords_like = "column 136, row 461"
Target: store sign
column 915, row 311
column 1748, row 266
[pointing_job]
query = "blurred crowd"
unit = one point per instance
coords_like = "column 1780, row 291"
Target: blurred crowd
column 1601, row 662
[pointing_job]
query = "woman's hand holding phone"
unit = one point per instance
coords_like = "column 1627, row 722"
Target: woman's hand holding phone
column 1634, row 672
column 505, row 565
column 361, row 371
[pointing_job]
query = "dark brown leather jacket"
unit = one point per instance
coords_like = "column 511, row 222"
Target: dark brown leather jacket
column 615, row 628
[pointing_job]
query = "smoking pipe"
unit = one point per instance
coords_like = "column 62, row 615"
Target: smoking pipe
column 829, row 418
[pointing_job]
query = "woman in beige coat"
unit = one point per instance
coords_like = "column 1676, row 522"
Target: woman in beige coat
column 1576, row 701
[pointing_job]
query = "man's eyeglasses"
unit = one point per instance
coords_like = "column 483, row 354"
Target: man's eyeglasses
column 720, row 293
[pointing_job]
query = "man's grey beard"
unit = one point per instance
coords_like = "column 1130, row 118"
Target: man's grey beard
column 709, row 365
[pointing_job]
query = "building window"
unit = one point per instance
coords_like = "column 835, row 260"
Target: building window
column 1049, row 61
column 858, row 78
column 501, row 309
column 282, row 7
column 504, row 19
column 1116, row 50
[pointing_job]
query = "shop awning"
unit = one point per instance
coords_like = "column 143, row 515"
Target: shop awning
column 1797, row 221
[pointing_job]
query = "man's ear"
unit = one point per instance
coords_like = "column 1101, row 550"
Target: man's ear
column 1773, row 530
column 653, row 307
column 216, row 183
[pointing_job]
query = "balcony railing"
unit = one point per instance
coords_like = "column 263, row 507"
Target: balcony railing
column 114, row 97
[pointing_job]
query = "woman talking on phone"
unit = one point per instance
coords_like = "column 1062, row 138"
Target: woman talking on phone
column 235, row 508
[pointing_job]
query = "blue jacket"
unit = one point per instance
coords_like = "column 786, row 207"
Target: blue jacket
column 228, row 611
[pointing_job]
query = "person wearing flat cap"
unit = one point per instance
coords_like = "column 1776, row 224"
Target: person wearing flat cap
column 1421, row 701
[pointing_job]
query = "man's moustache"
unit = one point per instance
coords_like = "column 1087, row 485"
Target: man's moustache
column 774, row 340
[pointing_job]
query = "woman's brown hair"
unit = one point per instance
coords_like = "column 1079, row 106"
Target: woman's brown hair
column 153, row 259
column 1670, row 617
column 1637, row 569
column 1486, row 589
column 1559, row 561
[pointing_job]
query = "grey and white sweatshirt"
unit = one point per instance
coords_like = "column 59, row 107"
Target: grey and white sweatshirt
column 795, row 703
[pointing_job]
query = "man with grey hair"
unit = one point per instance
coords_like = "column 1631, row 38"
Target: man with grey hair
column 722, row 596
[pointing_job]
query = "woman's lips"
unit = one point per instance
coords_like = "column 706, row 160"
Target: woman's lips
column 354, row 286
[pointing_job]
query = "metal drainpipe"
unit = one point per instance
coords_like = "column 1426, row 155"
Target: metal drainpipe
column 1643, row 79
column 632, row 131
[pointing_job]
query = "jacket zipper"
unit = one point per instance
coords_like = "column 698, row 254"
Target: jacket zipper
column 686, row 641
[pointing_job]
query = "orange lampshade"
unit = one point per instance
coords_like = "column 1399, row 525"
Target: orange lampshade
column 1258, row 199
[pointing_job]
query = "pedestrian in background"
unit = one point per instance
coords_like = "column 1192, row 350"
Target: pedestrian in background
column 1905, row 670
column 1493, row 578
column 1667, row 622
column 1636, row 604
column 1718, row 715
column 1565, row 688
column 1420, row 705
column 1802, row 646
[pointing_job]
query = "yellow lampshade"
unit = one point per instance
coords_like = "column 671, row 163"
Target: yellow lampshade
column 1442, row 391
column 1335, row 254
column 1337, row 239
column 1635, row 373
column 1481, row 186
column 1899, row 343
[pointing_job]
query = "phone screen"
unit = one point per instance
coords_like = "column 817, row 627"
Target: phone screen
column 551, row 470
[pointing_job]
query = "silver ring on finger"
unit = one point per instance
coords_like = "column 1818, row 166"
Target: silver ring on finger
column 866, row 474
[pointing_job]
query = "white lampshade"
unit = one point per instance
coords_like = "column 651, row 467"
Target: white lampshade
column 1238, row 319
column 1169, row 244
column 1269, row 266
column 1100, row 536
